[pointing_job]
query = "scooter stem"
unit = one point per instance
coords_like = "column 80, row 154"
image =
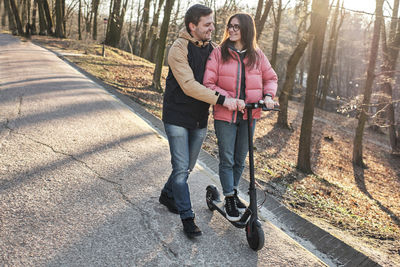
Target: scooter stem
column 252, row 188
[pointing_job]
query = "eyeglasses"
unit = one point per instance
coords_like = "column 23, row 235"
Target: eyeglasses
column 235, row 27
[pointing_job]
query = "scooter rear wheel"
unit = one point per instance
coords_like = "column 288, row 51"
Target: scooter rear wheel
column 210, row 197
column 255, row 236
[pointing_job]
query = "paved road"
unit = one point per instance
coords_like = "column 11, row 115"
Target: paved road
column 80, row 176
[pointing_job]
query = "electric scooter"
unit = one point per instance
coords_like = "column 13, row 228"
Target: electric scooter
column 249, row 219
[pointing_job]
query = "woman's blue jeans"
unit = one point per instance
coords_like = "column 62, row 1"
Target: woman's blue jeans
column 233, row 146
column 184, row 146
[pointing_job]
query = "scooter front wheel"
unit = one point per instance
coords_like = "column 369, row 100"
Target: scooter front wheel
column 255, row 235
column 210, row 196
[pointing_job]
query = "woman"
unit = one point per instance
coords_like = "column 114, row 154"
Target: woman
column 239, row 69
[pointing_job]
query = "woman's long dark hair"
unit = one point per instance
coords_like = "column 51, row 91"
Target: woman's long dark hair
column 248, row 38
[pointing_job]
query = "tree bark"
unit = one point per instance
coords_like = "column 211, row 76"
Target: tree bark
column 260, row 19
column 34, row 14
column 161, row 48
column 95, row 10
column 145, row 24
column 49, row 21
column 319, row 15
column 390, row 51
column 79, row 20
column 17, row 19
column 275, row 40
column 136, row 50
column 290, row 77
column 59, row 20
column 357, row 143
column 153, row 32
column 11, row 21
column 331, row 55
column 112, row 31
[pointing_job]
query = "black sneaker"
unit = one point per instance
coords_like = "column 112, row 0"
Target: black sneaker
column 190, row 228
column 231, row 210
column 168, row 202
column 239, row 204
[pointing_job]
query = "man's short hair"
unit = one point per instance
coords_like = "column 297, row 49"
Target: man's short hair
column 194, row 13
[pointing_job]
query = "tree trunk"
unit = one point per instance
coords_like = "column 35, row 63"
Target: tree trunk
column 34, row 13
column 275, row 40
column 4, row 15
column 319, row 16
column 144, row 26
column 95, row 10
column 79, row 20
column 290, row 77
column 64, row 22
column 42, row 18
column 357, row 144
column 121, row 20
column 59, row 20
column 112, row 32
column 260, row 19
column 390, row 55
column 11, row 21
column 49, row 21
column 136, row 50
column 17, row 19
column 161, row 48
column 153, row 32
column 330, row 58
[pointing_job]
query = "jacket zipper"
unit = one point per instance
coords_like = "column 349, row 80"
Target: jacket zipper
column 238, row 79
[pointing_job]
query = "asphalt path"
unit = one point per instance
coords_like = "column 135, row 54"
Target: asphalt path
column 80, row 177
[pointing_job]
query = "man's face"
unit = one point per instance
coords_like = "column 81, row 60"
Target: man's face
column 203, row 30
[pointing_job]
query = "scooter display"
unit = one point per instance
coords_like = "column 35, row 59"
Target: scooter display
column 249, row 219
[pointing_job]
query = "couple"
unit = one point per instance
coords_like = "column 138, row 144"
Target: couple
column 228, row 76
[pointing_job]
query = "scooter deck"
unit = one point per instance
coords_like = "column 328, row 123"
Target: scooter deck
column 244, row 217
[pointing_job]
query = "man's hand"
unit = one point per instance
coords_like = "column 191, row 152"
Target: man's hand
column 230, row 103
column 269, row 103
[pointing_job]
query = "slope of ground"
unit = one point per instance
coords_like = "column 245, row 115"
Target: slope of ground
column 359, row 206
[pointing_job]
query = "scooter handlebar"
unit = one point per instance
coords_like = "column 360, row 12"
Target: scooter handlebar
column 262, row 105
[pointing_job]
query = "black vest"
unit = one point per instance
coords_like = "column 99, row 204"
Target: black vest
column 180, row 109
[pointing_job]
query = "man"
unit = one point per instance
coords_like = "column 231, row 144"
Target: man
column 185, row 109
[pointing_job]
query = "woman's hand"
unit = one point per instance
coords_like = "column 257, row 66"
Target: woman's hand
column 269, row 103
column 241, row 105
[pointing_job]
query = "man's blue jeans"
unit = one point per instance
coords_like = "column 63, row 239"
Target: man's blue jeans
column 184, row 145
column 233, row 146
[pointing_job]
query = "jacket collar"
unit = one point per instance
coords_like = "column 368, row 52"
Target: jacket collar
column 185, row 35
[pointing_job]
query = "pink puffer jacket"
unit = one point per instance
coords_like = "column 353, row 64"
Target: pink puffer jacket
column 226, row 78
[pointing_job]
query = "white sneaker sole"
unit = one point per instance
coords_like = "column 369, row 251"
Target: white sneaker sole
column 232, row 219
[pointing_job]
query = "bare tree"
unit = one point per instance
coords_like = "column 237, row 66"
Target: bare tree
column 95, row 9
column 275, row 39
column 161, row 48
column 331, row 54
column 261, row 15
column 136, row 50
column 319, row 15
column 357, row 143
column 9, row 13
column 17, row 18
column 390, row 50
column 152, row 36
column 145, row 23
column 49, row 21
column 79, row 20
column 59, row 20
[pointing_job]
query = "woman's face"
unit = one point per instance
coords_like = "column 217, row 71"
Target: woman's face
column 234, row 30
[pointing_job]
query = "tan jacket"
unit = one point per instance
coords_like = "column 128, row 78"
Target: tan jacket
column 178, row 62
